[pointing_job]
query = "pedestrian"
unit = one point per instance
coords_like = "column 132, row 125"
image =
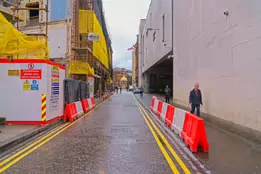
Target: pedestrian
column 167, row 93
column 195, row 99
column 141, row 91
column 117, row 89
column 120, row 89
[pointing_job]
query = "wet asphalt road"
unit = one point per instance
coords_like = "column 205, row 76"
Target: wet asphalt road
column 114, row 139
column 229, row 153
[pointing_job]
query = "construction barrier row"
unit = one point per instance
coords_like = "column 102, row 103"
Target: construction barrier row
column 76, row 109
column 106, row 96
column 190, row 128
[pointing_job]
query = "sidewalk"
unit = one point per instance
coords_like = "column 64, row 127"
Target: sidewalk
column 229, row 153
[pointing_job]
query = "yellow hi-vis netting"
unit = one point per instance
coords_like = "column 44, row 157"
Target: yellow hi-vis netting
column 88, row 23
column 77, row 68
column 19, row 45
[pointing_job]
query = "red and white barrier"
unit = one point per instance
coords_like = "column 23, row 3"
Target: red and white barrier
column 71, row 112
column 76, row 109
column 188, row 126
column 106, row 96
column 79, row 108
column 163, row 113
column 178, row 123
column 155, row 104
column 86, row 106
column 194, row 133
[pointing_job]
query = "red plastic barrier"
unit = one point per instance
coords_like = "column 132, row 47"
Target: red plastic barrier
column 153, row 101
column 71, row 113
column 160, row 108
column 170, row 116
column 194, row 133
column 93, row 102
column 85, row 106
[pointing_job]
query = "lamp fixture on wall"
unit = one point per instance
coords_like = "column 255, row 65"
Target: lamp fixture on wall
column 226, row 13
column 151, row 29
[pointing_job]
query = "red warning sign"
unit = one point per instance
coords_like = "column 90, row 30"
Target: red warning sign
column 33, row 74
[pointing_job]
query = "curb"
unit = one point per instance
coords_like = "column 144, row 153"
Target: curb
column 25, row 136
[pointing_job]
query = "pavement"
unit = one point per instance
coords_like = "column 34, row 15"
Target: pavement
column 229, row 153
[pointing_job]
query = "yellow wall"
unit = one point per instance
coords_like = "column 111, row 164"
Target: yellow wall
column 88, row 23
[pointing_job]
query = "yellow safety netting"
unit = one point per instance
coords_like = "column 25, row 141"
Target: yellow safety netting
column 88, row 23
column 80, row 68
column 111, row 81
column 19, row 45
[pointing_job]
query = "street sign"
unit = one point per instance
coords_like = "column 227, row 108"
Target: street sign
column 27, row 86
column 94, row 37
column 34, row 85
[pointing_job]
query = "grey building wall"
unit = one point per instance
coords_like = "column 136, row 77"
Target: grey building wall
column 222, row 53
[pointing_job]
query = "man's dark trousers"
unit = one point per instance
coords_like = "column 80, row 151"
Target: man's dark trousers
column 195, row 106
column 167, row 98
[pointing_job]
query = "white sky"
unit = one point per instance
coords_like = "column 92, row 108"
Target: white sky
column 123, row 19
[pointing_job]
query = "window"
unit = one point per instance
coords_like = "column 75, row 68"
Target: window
column 163, row 28
column 33, row 14
column 154, row 36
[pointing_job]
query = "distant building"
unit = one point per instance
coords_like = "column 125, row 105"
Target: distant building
column 135, row 64
column 122, row 77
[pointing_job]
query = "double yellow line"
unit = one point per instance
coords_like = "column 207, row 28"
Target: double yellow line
column 154, row 128
column 7, row 163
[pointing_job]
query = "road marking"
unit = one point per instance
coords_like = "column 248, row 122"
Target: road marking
column 30, row 146
column 163, row 150
column 181, row 163
column 46, row 141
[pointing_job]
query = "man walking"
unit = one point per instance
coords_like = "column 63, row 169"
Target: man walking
column 141, row 91
column 195, row 99
column 167, row 93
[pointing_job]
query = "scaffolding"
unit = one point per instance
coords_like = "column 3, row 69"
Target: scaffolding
column 15, row 9
column 83, row 49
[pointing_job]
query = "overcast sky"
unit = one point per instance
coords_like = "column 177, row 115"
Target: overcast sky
column 123, row 18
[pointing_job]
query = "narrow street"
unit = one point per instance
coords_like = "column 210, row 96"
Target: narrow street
column 113, row 139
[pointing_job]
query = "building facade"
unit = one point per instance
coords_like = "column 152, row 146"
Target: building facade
column 155, row 45
column 119, row 74
column 67, row 26
column 136, row 69
column 217, row 44
column 133, row 68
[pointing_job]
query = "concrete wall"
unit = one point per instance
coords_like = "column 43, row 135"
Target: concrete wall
column 141, row 28
column 57, row 41
column 223, row 54
column 156, row 43
column 133, row 68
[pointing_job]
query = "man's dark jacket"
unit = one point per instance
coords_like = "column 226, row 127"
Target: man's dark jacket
column 194, row 99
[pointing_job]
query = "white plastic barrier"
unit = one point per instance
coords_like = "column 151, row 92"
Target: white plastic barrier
column 79, row 108
column 156, row 104
column 164, row 111
column 90, row 103
column 32, row 91
column 178, row 123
